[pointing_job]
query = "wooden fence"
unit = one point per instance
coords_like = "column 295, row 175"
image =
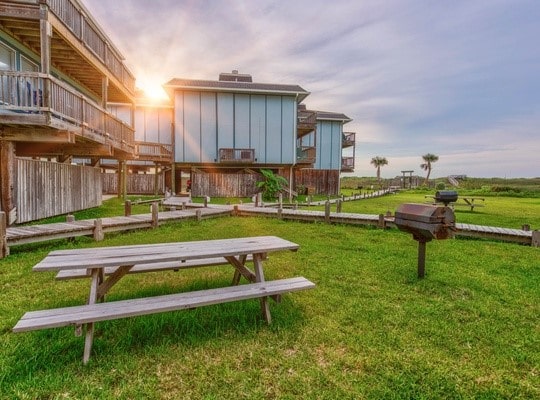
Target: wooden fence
column 224, row 184
column 136, row 183
column 46, row 189
column 318, row 181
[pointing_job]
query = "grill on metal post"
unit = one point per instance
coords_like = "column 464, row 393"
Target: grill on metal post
column 425, row 222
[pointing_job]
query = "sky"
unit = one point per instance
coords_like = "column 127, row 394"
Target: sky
column 459, row 79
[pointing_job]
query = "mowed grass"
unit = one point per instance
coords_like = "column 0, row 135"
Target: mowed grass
column 370, row 329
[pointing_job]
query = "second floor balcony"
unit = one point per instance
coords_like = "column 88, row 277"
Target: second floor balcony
column 306, row 154
column 157, row 152
column 233, row 156
column 348, row 139
column 32, row 99
column 347, row 164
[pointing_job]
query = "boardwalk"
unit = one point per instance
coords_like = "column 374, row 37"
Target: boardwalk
column 37, row 233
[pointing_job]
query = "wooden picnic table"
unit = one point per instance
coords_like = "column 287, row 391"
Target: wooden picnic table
column 468, row 201
column 107, row 265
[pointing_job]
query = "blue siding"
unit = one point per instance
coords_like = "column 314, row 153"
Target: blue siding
column 179, row 153
column 206, row 122
column 208, row 127
column 225, row 107
column 273, row 129
column 288, row 130
column 241, row 121
column 329, row 145
column 258, row 127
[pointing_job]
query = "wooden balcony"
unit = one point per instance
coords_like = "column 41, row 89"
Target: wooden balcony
column 348, row 140
column 46, row 107
column 306, row 154
column 347, row 164
column 307, row 122
column 79, row 48
column 237, row 156
column 156, row 152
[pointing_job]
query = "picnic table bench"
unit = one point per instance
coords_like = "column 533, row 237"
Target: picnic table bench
column 107, row 265
column 468, row 201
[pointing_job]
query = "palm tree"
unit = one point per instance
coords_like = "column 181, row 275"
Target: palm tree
column 379, row 162
column 426, row 166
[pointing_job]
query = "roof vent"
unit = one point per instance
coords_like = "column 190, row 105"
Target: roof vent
column 234, row 76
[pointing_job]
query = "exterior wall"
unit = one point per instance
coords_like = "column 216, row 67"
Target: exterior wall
column 206, row 122
column 329, row 138
column 318, row 181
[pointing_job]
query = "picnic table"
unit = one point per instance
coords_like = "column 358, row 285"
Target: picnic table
column 468, row 201
column 106, row 266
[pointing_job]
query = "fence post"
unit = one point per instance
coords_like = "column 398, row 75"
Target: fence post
column 127, row 208
column 280, row 200
column 382, row 222
column 526, row 227
column 4, row 249
column 198, row 214
column 235, row 210
column 327, row 211
column 155, row 219
column 70, row 218
column 535, row 238
column 98, row 230
column 205, row 201
column 338, row 206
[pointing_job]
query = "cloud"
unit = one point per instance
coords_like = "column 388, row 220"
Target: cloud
column 458, row 79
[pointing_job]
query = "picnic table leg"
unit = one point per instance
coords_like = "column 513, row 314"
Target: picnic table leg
column 237, row 274
column 259, row 276
column 89, row 337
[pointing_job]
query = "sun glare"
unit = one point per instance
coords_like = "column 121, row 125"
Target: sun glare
column 152, row 91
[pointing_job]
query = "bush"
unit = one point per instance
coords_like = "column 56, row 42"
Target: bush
column 440, row 186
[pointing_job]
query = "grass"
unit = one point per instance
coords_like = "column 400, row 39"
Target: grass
column 370, row 329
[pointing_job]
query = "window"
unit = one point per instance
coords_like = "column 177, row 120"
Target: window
column 7, row 58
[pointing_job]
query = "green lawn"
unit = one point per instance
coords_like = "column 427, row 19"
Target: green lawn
column 370, row 329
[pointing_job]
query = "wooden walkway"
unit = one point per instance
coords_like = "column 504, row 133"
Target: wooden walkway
column 37, row 233
column 478, row 231
column 98, row 227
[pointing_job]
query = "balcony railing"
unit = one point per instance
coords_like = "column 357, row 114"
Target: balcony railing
column 84, row 30
column 237, row 155
column 154, row 151
column 347, row 164
column 24, row 94
column 306, row 154
column 349, row 139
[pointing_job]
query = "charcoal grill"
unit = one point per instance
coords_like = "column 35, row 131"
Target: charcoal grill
column 425, row 222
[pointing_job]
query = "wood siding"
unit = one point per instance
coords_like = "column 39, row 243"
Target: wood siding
column 46, row 189
column 136, row 183
column 318, row 181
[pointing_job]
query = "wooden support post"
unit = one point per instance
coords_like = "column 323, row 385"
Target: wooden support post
column 8, row 180
column 280, row 213
column 327, row 211
column 70, row 218
column 205, row 201
column 156, row 180
column 127, row 208
column 338, row 206
column 280, row 200
column 526, row 227
column 4, row 249
column 259, row 277
column 235, row 210
column 382, row 222
column 198, row 214
column 259, row 202
column 309, row 200
column 155, row 219
column 98, row 230
column 173, row 174
column 535, row 238
column 421, row 258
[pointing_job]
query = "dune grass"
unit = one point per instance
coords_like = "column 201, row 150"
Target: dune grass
column 370, row 329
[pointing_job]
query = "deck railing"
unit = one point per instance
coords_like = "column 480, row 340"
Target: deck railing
column 237, row 155
column 24, row 93
column 347, row 164
column 153, row 150
column 306, row 154
column 83, row 28
column 349, row 139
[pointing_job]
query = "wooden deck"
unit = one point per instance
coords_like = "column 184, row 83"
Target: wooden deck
column 38, row 233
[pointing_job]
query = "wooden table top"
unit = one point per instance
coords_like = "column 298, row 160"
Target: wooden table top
column 101, row 257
